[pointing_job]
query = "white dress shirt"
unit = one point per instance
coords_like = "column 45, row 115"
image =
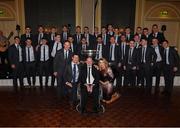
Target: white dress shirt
column 91, row 76
column 57, row 46
column 42, row 53
column 20, row 52
column 30, row 54
column 77, row 71
column 159, row 58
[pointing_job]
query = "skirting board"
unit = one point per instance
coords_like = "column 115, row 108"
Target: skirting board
column 8, row 82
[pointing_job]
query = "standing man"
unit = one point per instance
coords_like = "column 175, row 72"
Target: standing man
column 43, row 58
column 170, row 66
column 62, row 59
column 29, row 57
column 156, row 34
column 147, row 58
column 55, row 46
column 26, row 35
column 131, row 61
column 157, row 68
column 89, row 84
column 16, row 62
column 113, row 57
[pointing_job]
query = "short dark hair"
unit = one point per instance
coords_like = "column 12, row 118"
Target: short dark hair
column 16, row 37
column 28, row 38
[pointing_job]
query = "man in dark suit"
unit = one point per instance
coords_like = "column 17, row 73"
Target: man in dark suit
column 139, row 32
column 105, row 36
column 81, row 47
column 62, row 58
column 73, row 46
column 113, row 57
column 156, row 34
column 71, row 78
column 29, row 57
column 157, row 68
column 110, row 29
column 170, row 66
column 16, row 62
column 130, row 65
column 100, row 48
column 116, row 35
column 38, row 37
column 123, row 47
column 78, row 36
column 145, row 34
column 52, row 34
column 129, row 35
column 147, row 58
column 89, row 84
column 89, row 37
column 65, row 33
column 54, row 47
column 26, row 35
column 43, row 54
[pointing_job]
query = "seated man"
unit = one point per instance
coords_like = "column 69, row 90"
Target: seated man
column 89, row 80
column 71, row 76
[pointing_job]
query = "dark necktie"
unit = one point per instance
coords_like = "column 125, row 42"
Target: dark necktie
column 89, row 69
column 143, row 54
column 99, row 47
column 18, row 51
column 44, row 51
column 40, row 37
column 78, row 38
column 166, row 56
column 56, row 47
column 74, row 73
column 130, row 56
column 111, row 49
column 29, row 54
column 123, row 51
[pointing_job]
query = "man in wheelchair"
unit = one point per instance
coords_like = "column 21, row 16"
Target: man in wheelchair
column 89, row 84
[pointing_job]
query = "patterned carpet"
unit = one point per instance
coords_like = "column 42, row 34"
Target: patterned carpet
column 35, row 107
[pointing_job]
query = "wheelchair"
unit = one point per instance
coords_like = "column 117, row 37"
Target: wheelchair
column 101, row 106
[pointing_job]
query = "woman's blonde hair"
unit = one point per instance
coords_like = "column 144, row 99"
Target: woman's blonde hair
column 104, row 61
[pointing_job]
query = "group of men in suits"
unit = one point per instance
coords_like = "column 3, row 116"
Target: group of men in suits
column 137, row 56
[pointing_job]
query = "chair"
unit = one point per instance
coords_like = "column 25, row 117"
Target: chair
column 101, row 106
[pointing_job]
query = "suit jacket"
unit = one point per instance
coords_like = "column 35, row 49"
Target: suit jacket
column 38, row 53
column 62, row 40
column 68, row 73
column 23, row 39
column 60, row 63
column 161, row 50
column 117, row 53
column 74, row 48
column 107, row 39
column 79, row 50
column 150, row 56
column 103, row 49
column 13, row 55
column 173, row 57
column 49, row 37
column 92, row 40
column 134, row 57
column 36, row 36
column 131, row 37
column 83, row 76
column 118, row 40
column 24, row 54
column 122, row 60
column 75, row 38
column 160, row 37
